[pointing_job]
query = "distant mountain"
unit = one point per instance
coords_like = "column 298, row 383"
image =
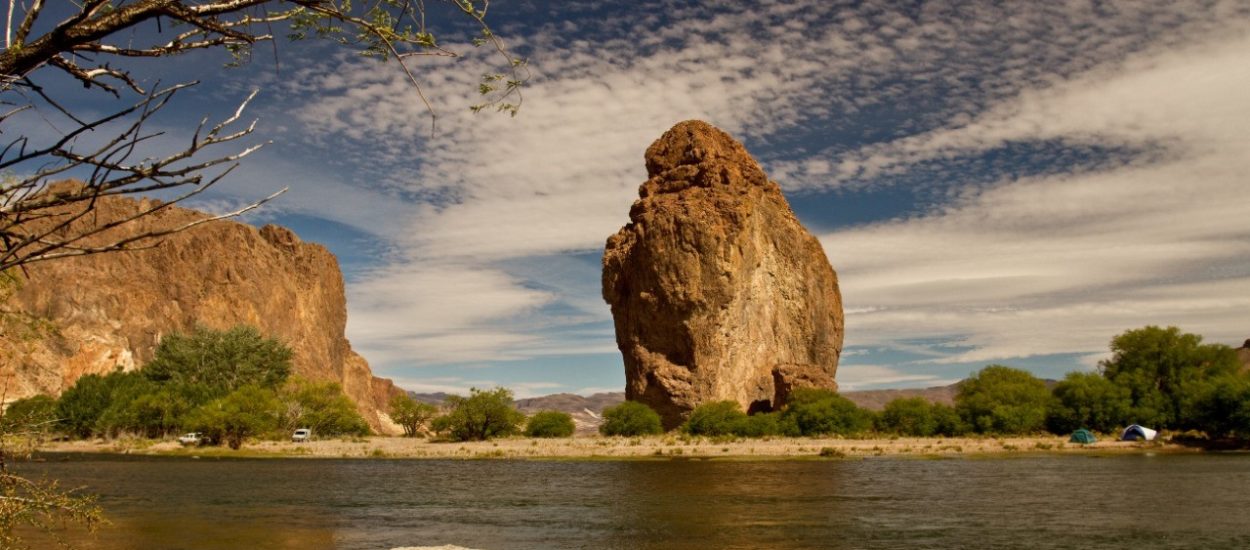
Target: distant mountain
column 436, row 398
column 876, row 399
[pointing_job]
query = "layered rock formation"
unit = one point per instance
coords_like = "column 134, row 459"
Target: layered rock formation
column 94, row 314
column 716, row 290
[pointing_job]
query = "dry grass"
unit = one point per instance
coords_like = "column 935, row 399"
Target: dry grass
column 666, row 446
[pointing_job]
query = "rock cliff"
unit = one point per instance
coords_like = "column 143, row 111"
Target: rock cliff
column 717, row 291
column 70, row 317
column 1243, row 354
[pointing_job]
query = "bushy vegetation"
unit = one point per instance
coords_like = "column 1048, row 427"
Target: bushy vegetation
column 630, row 418
column 550, row 424
column 822, row 412
column 1003, row 400
column 716, row 418
column 230, row 385
column 411, row 414
column 917, row 417
column 481, row 416
column 1088, row 400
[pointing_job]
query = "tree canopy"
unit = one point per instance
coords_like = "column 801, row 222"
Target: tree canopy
column 1003, row 400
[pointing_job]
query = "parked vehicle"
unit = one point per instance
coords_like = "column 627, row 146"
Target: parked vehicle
column 301, row 435
column 192, row 438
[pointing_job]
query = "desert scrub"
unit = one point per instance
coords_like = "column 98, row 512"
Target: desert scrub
column 830, row 452
column 550, row 424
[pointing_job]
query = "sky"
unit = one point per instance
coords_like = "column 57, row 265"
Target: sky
column 1011, row 183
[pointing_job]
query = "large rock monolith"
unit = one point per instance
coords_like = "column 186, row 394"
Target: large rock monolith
column 716, row 289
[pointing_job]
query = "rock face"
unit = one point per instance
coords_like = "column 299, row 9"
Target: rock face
column 93, row 314
column 1243, row 353
column 716, row 290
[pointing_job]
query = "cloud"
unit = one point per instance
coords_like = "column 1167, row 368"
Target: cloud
column 864, row 377
column 1060, row 263
column 831, row 97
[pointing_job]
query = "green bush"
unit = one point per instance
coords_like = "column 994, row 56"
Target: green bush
column 80, row 407
column 481, row 416
column 246, row 412
column 550, row 424
column 715, row 418
column 321, row 407
column 1164, row 371
column 630, row 418
column 1088, row 400
column 765, row 424
column 220, row 361
column 948, row 422
column 1003, row 400
column 1222, row 406
column 912, row 416
column 35, row 412
column 410, row 413
column 823, row 412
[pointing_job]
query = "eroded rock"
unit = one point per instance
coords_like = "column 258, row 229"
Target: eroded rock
column 94, row 314
column 717, row 291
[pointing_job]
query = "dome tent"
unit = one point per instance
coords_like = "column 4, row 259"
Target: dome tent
column 1083, row 436
column 1137, row 432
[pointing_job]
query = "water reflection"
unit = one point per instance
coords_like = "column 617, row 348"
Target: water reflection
column 1122, row 502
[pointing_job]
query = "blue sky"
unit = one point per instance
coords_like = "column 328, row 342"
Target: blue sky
column 993, row 184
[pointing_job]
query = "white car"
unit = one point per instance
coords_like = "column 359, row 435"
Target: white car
column 193, row 438
column 301, row 435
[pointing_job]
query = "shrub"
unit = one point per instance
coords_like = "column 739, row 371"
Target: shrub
column 80, row 407
column 220, row 361
column 481, row 416
column 909, row 416
column 245, row 412
column 1003, row 400
column 629, row 419
column 948, row 422
column 765, row 424
column 550, row 424
column 1222, row 407
column 715, row 418
column 321, row 407
column 1088, row 400
column 36, row 412
column 411, row 414
column 1164, row 369
column 822, row 412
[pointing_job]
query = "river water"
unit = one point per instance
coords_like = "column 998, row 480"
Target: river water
column 1130, row 502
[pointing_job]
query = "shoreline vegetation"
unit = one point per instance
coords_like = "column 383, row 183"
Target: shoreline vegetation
column 663, row 447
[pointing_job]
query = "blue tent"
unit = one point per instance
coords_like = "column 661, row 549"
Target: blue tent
column 1138, row 433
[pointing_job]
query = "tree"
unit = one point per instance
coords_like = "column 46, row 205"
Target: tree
column 822, row 412
column 716, row 418
column 1088, row 400
column 321, row 407
column 630, row 418
column 550, row 424
column 89, row 44
column 909, row 416
column 220, row 361
column 36, row 410
column 1003, row 400
column 410, row 413
column 481, row 416
column 1221, row 406
column 81, row 406
column 37, row 503
column 1163, row 369
column 245, row 412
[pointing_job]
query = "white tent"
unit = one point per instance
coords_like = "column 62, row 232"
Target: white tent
column 1135, row 432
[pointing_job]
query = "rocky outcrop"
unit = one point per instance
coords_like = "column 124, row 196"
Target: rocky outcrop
column 97, row 313
column 1243, row 354
column 717, row 291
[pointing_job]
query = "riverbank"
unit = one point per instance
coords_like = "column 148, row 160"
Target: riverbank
column 629, row 448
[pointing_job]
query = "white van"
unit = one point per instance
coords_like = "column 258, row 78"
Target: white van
column 301, row 435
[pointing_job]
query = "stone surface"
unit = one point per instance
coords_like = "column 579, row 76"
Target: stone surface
column 1243, row 353
column 716, row 290
column 97, row 313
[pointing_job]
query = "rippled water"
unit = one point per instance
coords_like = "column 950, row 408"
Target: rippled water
column 1035, row 502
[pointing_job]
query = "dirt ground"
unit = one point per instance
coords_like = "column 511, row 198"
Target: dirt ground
column 597, row 447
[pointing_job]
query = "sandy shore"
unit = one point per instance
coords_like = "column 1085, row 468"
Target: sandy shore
column 653, row 447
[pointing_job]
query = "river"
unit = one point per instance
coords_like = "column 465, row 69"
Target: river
column 1130, row 502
